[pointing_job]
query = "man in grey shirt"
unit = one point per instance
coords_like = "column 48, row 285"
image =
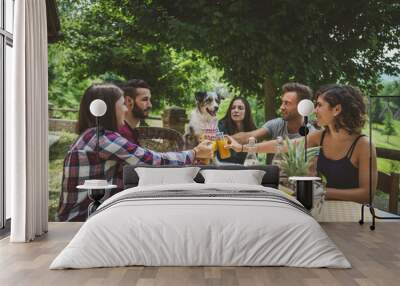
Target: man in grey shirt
column 289, row 123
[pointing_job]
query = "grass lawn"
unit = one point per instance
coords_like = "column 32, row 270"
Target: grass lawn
column 391, row 142
column 56, row 159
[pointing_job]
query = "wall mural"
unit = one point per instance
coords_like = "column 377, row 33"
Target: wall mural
column 176, row 79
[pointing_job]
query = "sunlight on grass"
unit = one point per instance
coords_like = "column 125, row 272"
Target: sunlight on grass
column 56, row 158
column 383, row 141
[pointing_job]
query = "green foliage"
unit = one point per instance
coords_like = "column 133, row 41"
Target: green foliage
column 391, row 88
column 380, row 140
column 176, row 45
column 394, row 166
column 257, row 111
column 104, row 42
column 311, row 42
column 293, row 163
column 389, row 129
column 65, row 89
column 377, row 111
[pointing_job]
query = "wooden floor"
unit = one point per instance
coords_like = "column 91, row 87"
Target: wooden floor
column 374, row 255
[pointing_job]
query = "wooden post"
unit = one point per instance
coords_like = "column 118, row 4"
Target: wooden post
column 269, row 99
column 175, row 118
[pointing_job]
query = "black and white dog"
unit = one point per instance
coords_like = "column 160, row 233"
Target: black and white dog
column 203, row 116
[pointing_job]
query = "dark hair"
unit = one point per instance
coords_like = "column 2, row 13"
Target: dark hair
column 248, row 123
column 302, row 91
column 353, row 115
column 110, row 94
column 130, row 87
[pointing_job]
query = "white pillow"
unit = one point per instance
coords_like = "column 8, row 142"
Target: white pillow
column 248, row 177
column 166, row 176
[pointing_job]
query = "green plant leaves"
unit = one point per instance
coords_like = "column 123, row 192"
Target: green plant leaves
column 293, row 163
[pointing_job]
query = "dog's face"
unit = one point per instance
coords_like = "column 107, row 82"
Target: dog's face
column 208, row 102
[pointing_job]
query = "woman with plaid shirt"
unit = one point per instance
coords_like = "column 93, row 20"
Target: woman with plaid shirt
column 83, row 163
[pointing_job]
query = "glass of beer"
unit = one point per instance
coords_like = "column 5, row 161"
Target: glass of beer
column 214, row 145
column 221, row 142
column 203, row 161
column 208, row 134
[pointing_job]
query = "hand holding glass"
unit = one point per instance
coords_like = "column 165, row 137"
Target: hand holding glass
column 232, row 144
column 204, row 151
column 222, row 141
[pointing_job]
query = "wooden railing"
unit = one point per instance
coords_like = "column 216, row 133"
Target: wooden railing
column 173, row 118
column 389, row 183
column 75, row 111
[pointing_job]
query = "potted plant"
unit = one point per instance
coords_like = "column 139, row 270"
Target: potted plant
column 293, row 163
column 297, row 167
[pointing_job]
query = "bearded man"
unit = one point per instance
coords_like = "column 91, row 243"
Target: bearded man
column 137, row 97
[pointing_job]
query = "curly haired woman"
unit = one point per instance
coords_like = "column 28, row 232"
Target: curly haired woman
column 344, row 155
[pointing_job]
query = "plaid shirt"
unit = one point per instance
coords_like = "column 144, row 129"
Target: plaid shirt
column 129, row 133
column 82, row 163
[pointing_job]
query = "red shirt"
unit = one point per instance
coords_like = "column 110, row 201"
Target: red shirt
column 129, row 133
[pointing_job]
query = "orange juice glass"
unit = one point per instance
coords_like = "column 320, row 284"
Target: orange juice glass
column 221, row 142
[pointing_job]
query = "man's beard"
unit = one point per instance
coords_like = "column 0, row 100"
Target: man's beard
column 139, row 113
column 289, row 117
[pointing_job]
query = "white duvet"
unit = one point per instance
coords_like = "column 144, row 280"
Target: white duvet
column 200, row 231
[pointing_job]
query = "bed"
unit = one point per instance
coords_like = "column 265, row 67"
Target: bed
column 201, row 224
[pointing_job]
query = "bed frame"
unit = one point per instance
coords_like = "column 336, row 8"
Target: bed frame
column 270, row 179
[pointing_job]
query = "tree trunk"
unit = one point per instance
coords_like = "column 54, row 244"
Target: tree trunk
column 269, row 99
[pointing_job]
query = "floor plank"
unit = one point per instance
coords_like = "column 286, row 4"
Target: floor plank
column 374, row 255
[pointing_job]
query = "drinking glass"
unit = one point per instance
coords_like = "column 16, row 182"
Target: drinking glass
column 221, row 142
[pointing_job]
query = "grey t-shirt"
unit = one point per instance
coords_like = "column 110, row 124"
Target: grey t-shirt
column 278, row 127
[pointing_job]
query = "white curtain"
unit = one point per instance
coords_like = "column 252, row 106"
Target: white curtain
column 27, row 124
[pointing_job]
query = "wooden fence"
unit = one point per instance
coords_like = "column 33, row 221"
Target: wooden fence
column 389, row 183
column 172, row 117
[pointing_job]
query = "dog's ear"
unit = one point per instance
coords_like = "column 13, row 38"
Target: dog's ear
column 221, row 92
column 200, row 95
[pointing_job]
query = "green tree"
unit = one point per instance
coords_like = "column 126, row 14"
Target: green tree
column 377, row 111
column 102, row 42
column 388, row 129
column 258, row 45
column 262, row 44
column 392, row 89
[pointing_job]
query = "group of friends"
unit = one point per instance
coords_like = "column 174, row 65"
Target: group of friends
column 340, row 116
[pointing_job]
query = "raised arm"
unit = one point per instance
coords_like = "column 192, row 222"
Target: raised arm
column 119, row 148
column 313, row 139
column 360, row 194
column 243, row 137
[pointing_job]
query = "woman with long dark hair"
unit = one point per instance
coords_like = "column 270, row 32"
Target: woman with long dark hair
column 82, row 162
column 344, row 156
column 238, row 118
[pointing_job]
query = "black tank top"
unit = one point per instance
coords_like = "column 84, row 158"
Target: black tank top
column 339, row 174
